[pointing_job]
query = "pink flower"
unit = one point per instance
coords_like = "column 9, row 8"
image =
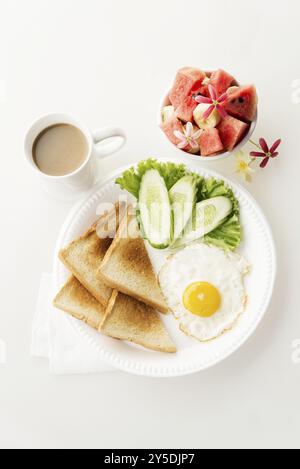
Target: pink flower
column 266, row 153
column 214, row 101
column 188, row 138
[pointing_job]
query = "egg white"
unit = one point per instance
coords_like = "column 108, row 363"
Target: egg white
column 202, row 263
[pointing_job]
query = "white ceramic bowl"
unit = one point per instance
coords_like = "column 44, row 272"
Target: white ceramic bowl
column 205, row 159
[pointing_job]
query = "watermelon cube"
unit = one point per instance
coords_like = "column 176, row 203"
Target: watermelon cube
column 232, row 131
column 169, row 128
column 204, row 91
column 221, row 81
column 210, row 142
column 185, row 110
column 242, row 103
column 188, row 79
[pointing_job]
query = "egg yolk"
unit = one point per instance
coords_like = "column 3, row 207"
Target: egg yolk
column 202, row 299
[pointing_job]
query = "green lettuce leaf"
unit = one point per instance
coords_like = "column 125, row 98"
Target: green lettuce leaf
column 228, row 235
column 213, row 188
column 131, row 179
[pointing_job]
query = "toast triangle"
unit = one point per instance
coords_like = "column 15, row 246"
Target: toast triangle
column 124, row 318
column 127, row 268
column 75, row 300
column 130, row 320
column 84, row 256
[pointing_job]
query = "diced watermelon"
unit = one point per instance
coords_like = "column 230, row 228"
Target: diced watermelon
column 242, row 103
column 221, row 81
column 186, row 109
column 204, row 91
column 232, row 131
column 188, row 79
column 169, row 128
column 210, row 142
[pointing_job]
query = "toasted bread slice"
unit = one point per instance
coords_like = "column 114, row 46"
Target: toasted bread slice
column 130, row 320
column 125, row 318
column 127, row 268
column 77, row 301
column 84, row 256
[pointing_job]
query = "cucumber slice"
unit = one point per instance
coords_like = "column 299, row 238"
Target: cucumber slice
column 208, row 215
column 155, row 210
column 183, row 200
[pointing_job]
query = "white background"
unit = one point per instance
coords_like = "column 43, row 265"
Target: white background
column 109, row 63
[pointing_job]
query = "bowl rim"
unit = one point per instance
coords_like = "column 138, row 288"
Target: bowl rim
column 199, row 158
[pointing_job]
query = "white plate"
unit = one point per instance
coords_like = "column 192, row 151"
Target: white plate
column 258, row 248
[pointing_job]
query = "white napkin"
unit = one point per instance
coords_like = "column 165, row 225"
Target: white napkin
column 54, row 338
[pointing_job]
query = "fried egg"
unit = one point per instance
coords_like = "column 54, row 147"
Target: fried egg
column 204, row 288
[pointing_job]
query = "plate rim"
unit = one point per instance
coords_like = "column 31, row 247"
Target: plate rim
column 150, row 370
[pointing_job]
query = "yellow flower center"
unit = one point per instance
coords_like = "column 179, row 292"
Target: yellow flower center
column 243, row 166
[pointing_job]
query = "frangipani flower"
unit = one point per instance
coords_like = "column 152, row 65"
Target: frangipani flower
column 266, row 153
column 188, row 138
column 243, row 166
column 214, row 101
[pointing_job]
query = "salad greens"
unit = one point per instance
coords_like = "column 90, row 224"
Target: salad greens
column 131, row 179
column 228, row 235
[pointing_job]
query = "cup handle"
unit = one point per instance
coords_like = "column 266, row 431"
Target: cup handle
column 111, row 147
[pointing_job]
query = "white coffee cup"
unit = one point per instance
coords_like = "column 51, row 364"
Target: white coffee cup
column 83, row 178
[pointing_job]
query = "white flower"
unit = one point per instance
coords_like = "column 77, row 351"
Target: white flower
column 188, row 138
column 243, row 166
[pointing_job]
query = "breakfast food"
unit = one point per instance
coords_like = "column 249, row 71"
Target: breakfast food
column 210, row 142
column 208, row 215
column 211, row 122
column 207, row 100
column 60, row 150
column 133, row 321
column 231, row 132
column 170, row 126
column 204, row 288
column 84, row 255
column 82, row 258
column 127, row 268
column 242, row 103
column 117, row 315
column 177, row 207
column 188, row 80
column 221, row 81
column 75, row 300
column 124, row 318
column 155, row 209
column 183, row 197
column 115, row 288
